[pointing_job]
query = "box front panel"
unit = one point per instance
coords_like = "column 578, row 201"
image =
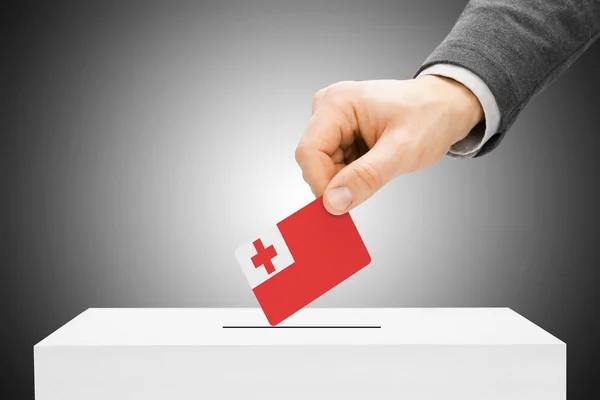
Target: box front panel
column 294, row 372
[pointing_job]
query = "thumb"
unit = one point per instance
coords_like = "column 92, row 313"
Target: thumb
column 359, row 180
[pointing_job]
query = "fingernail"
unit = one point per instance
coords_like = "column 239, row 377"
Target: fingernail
column 340, row 198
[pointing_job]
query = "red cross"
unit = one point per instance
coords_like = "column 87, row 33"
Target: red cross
column 263, row 256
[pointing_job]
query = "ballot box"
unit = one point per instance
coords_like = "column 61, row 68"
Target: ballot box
column 318, row 353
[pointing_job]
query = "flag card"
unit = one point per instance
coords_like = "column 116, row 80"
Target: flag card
column 301, row 258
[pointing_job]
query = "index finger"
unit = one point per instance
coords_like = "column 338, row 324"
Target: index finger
column 319, row 152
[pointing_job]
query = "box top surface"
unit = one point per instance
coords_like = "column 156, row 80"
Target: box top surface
column 310, row 326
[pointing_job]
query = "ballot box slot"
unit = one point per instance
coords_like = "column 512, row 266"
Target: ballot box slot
column 303, row 327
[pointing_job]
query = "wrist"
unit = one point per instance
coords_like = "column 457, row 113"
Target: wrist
column 466, row 110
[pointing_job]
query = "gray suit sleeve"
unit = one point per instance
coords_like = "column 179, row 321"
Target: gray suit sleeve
column 518, row 47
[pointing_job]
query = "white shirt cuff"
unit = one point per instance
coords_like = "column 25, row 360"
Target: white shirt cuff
column 471, row 144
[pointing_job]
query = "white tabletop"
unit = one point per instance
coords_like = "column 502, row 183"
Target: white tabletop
column 310, row 326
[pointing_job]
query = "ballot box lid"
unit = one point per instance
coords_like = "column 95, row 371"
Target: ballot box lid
column 310, row 326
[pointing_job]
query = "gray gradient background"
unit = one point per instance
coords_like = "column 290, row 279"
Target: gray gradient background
column 144, row 142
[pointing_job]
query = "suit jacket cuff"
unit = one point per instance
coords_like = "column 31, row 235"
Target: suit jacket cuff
column 472, row 144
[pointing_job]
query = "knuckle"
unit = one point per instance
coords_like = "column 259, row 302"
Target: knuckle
column 342, row 93
column 368, row 175
column 337, row 100
column 300, row 153
column 318, row 96
column 341, row 85
column 337, row 89
column 305, row 176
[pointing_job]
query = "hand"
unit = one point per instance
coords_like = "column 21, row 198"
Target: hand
column 364, row 134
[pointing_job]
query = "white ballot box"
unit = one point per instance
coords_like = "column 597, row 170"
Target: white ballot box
column 342, row 353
